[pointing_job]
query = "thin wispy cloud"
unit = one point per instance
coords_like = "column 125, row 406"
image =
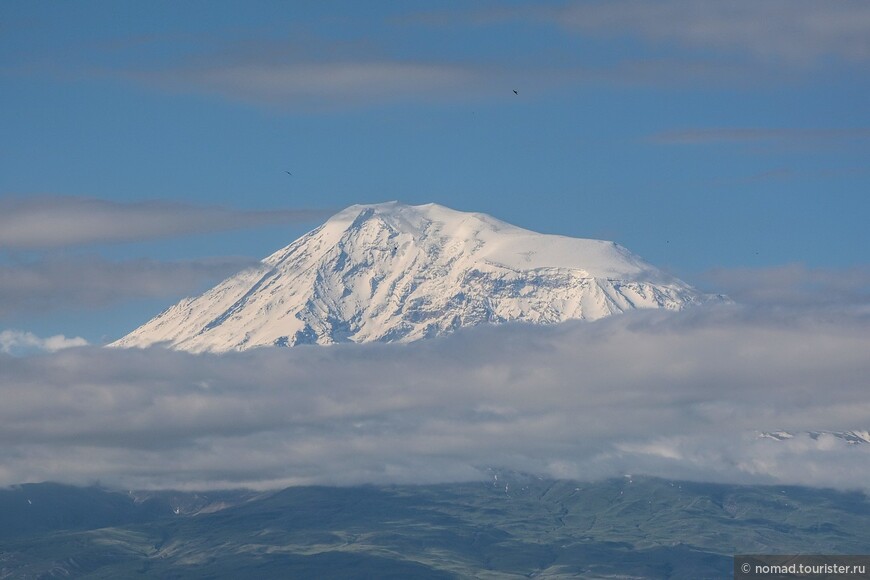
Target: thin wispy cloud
column 679, row 42
column 795, row 285
column 669, row 42
column 800, row 136
column 349, row 83
column 798, row 32
column 681, row 395
column 324, row 84
column 71, row 282
column 47, row 221
column 298, row 71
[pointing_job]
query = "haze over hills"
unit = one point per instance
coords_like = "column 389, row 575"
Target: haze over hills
column 397, row 273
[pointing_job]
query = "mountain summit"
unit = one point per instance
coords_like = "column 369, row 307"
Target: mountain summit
column 397, row 273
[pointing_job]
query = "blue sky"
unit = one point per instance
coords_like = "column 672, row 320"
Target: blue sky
column 703, row 136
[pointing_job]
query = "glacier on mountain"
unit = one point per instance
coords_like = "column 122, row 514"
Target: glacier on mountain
column 397, row 273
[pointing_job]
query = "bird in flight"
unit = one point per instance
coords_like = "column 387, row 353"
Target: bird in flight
column 288, row 173
column 515, row 92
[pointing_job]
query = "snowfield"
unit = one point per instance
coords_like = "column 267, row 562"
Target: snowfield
column 398, row 273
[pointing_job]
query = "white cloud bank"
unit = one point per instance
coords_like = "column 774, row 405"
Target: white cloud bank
column 12, row 341
column 674, row 395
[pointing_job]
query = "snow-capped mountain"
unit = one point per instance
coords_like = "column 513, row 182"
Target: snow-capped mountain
column 393, row 272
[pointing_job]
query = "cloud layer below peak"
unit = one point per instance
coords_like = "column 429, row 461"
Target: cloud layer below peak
column 676, row 395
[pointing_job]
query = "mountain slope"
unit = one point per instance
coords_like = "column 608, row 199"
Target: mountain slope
column 392, row 272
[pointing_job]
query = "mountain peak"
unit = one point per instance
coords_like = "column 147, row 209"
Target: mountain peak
column 409, row 217
column 395, row 272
